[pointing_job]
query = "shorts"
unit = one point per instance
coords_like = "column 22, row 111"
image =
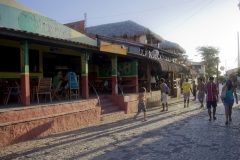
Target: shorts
column 228, row 102
column 141, row 107
column 212, row 104
column 201, row 95
column 194, row 92
column 164, row 98
column 186, row 95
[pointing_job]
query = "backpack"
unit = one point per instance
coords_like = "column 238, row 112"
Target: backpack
column 165, row 88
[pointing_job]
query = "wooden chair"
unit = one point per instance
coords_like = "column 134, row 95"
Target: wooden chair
column 73, row 84
column 43, row 88
column 56, row 89
column 13, row 90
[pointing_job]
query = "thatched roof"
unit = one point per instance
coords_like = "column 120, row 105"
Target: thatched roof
column 120, row 29
column 171, row 45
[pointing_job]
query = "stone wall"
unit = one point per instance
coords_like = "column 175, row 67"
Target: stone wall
column 131, row 101
column 45, row 120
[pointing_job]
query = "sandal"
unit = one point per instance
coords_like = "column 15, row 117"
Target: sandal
column 226, row 122
column 214, row 118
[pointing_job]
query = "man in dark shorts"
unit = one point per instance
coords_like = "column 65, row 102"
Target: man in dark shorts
column 211, row 98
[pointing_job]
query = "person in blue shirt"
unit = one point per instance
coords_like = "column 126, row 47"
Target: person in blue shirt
column 228, row 100
column 71, row 76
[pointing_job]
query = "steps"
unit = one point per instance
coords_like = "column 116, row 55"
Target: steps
column 109, row 109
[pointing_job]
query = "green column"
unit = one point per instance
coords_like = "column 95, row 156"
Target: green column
column 135, row 74
column 24, row 54
column 114, row 75
column 114, row 65
column 134, row 67
column 84, row 75
column 25, row 85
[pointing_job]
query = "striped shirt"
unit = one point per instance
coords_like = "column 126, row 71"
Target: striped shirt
column 211, row 89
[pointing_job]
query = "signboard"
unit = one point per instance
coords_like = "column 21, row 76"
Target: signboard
column 113, row 48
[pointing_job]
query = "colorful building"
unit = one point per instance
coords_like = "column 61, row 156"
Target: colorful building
column 34, row 46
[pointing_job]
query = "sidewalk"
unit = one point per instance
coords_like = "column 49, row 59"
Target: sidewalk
column 178, row 134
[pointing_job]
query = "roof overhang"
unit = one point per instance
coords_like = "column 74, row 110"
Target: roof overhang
column 19, row 35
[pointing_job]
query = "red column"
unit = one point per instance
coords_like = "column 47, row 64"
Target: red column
column 85, row 88
column 25, row 85
column 135, row 82
column 114, row 85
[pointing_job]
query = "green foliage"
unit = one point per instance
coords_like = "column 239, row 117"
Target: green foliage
column 221, row 78
column 238, row 72
column 233, row 77
column 209, row 55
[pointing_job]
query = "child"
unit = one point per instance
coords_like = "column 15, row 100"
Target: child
column 141, row 103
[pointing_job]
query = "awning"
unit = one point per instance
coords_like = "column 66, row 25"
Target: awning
column 171, row 67
column 192, row 72
column 164, row 65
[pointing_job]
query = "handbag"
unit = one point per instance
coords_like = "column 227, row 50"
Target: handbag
column 223, row 94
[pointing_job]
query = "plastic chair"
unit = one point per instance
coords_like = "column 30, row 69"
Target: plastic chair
column 73, row 84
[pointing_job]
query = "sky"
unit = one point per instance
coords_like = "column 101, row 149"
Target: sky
column 189, row 23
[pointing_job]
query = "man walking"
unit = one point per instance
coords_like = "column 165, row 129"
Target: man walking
column 211, row 98
column 186, row 88
column 164, row 91
column 201, row 91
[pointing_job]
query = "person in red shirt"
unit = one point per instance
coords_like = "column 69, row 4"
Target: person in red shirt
column 211, row 98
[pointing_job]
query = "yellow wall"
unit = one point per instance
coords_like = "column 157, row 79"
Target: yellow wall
column 41, row 49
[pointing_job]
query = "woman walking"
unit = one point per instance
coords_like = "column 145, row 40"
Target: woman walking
column 228, row 100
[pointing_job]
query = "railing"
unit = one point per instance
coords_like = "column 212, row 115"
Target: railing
column 95, row 93
column 121, row 91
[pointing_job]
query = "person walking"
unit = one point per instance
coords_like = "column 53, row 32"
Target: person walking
column 194, row 90
column 164, row 93
column 201, row 91
column 228, row 100
column 211, row 98
column 186, row 88
column 141, row 104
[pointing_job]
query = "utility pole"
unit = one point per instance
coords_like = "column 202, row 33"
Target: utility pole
column 238, row 48
column 217, row 58
column 85, row 22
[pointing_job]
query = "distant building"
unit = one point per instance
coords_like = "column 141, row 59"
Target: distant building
column 228, row 72
column 199, row 67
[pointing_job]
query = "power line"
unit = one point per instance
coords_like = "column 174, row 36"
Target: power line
column 129, row 13
column 146, row 10
column 180, row 15
column 189, row 17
